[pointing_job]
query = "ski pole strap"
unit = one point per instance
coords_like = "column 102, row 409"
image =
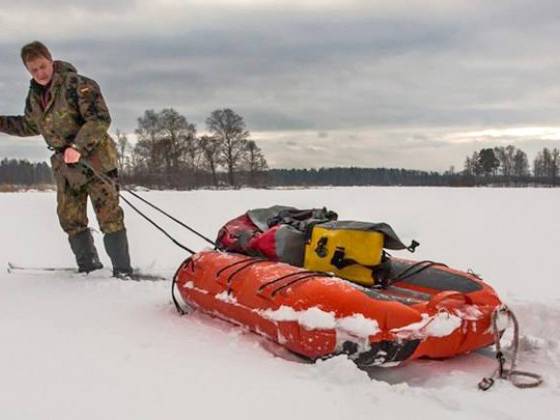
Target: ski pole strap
column 104, row 178
column 501, row 372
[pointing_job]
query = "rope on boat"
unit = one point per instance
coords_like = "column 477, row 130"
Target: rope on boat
column 501, row 372
column 182, row 311
column 229, row 281
column 227, row 267
column 285, row 276
column 307, row 275
column 246, row 263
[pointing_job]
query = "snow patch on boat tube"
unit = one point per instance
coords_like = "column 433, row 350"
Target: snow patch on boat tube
column 226, row 297
column 441, row 324
column 317, row 319
column 469, row 313
column 190, row 285
column 358, row 325
column 311, row 319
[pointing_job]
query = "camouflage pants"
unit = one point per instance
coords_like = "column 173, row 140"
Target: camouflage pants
column 72, row 206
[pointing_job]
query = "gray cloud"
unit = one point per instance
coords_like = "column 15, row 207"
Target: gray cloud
column 329, row 66
column 33, row 149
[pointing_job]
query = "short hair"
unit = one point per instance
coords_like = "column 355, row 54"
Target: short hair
column 34, row 50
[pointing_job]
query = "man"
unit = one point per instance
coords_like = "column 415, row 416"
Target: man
column 68, row 110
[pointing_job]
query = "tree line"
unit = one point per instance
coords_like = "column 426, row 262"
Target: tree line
column 510, row 165
column 168, row 152
column 354, row 176
column 25, row 173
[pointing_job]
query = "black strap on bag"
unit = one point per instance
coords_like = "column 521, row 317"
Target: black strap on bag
column 379, row 272
column 339, row 259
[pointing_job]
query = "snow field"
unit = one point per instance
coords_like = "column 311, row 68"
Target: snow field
column 92, row 347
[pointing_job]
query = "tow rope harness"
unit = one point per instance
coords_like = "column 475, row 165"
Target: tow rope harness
column 107, row 180
column 501, row 372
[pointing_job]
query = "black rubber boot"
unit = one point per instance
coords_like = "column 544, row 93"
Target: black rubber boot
column 116, row 245
column 84, row 250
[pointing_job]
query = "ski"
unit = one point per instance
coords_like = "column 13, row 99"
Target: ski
column 13, row 267
column 139, row 276
column 136, row 275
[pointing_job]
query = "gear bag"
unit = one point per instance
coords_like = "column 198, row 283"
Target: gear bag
column 277, row 233
column 352, row 250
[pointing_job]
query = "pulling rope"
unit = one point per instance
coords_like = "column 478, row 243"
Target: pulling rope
column 188, row 262
column 180, row 245
column 211, row 242
column 502, row 373
column 107, row 180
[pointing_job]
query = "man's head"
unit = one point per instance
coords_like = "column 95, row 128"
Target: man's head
column 38, row 61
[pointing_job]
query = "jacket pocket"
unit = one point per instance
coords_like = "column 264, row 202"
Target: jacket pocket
column 76, row 176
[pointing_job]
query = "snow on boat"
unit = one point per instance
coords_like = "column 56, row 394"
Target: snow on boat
column 425, row 309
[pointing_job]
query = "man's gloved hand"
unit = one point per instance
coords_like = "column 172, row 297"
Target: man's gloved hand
column 71, row 155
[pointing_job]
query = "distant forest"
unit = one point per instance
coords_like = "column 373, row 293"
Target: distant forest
column 24, row 173
column 168, row 154
column 499, row 166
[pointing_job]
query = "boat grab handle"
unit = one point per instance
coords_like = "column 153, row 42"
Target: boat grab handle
column 441, row 297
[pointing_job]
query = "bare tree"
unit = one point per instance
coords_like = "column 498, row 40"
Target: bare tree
column 211, row 151
column 554, row 165
column 488, row 162
column 123, row 146
column 229, row 128
column 166, row 141
column 146, row 154
column 546, row 164
column 255, row 162
column 505, row 157
column 472, row 165
column 177, row 144
column 520, row 164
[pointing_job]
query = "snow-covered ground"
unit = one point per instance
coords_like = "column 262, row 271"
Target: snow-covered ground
column 91, row 347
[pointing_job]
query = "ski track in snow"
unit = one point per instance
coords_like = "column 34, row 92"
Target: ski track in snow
column 92, row 347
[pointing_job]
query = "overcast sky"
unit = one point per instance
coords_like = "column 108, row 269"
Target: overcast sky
column 414, row 84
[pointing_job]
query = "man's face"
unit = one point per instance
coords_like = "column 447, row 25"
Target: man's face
column 41, row 69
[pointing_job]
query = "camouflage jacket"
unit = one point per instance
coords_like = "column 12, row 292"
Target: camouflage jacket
column 75, row 114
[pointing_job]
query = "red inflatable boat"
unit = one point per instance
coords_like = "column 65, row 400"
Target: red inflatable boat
column 425, row 310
